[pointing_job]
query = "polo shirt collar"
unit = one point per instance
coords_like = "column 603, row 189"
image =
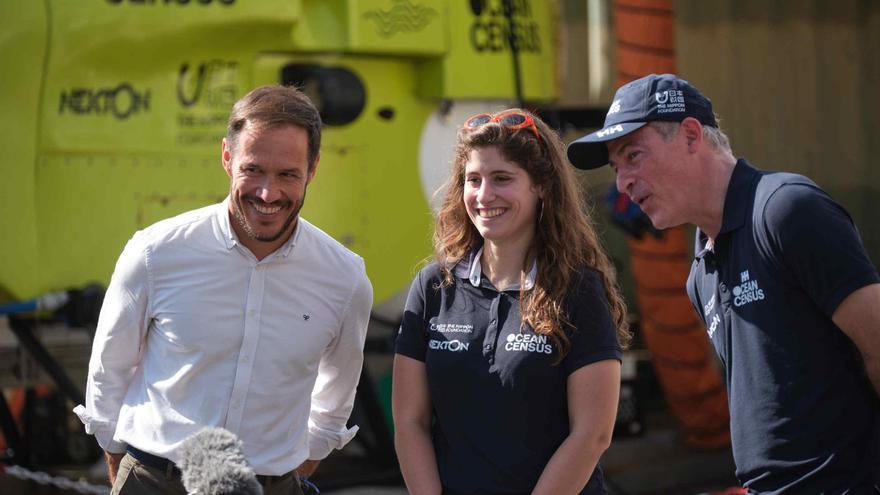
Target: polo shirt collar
column 230, row 239
column 739, row 198
column 737, row 202
column 472, row 269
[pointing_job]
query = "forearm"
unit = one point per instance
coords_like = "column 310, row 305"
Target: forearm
column 572, row 465
column 418, row 464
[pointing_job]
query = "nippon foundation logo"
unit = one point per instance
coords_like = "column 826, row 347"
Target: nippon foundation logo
column 452, row 327
column 670, row 101
column 448, row 345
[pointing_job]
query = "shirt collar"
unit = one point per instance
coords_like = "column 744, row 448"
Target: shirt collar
column 737, row 203
column 738, row 198
column 230, row 239
column 471, row 269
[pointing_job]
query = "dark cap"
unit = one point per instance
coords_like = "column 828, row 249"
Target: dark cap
column 662, row 97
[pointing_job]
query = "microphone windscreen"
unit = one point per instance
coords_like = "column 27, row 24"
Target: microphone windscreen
column 212, row 463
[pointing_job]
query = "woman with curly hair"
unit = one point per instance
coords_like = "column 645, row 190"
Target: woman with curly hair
column 507, row 367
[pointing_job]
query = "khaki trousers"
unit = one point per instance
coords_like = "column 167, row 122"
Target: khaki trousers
column 136, row 478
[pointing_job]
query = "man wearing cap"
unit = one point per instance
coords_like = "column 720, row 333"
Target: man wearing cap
column 790, row 300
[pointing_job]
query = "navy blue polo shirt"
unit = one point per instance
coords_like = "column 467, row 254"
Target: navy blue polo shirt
column 500, row 404
column 804, row 418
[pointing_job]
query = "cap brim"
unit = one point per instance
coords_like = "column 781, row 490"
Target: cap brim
column 591, row 152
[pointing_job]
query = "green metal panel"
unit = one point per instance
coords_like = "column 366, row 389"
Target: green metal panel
column 125, row 127
column 399, row 27
column 479, row 63
column 23, row 32
column 366, row 191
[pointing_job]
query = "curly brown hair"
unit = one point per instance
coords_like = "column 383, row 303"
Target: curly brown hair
column 565, row 241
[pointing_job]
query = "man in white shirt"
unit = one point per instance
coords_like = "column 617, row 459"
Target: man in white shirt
column 239, row 315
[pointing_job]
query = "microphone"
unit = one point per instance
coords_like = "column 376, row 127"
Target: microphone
column 212, row 463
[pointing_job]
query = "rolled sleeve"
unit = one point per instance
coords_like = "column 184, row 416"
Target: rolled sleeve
column 117, row 347
column 338, row 376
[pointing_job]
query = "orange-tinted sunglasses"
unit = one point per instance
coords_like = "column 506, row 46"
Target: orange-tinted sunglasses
column 511, row 120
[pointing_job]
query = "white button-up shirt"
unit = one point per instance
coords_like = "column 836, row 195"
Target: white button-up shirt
column 196, row 332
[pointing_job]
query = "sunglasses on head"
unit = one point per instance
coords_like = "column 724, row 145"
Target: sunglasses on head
column 511, row 120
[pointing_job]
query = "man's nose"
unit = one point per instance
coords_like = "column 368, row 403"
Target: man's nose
column 268, row 190
column 624, row 182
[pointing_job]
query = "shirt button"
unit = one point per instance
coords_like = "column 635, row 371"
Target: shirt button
column 492, row 322
column 488, row 347
column 251, row 312
column 236, row 403
column 723, row 288
column 245, row 359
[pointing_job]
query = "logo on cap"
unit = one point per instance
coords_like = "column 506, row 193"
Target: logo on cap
column 671, row 100
column 615, row 107
column 609, row 131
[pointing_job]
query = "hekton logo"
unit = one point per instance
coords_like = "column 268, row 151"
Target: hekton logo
column 448, row 345
column 120, row 102
column 707, row 309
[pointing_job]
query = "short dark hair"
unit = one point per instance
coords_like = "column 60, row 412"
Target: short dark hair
column 272, row 106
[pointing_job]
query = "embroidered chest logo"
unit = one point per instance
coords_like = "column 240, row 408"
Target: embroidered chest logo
column 713, row 324
column 448, row 345
column 747, row 291
column 519, row 342
column 452, row 327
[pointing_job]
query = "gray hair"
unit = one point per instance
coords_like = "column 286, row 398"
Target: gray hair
column 714, row 135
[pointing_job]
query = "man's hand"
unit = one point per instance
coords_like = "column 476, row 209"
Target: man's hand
column 113, row 461
column 307, row 468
